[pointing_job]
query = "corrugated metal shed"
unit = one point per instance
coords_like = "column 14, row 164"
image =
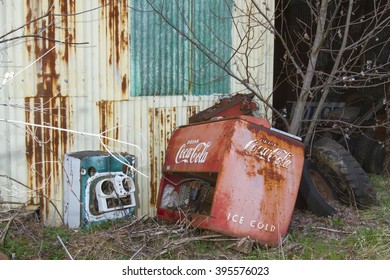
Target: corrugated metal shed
column 69, row 81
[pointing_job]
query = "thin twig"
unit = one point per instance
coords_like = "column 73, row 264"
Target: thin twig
column 133, row 223
column 63, row 246
column 136, row 253
column 6, row 229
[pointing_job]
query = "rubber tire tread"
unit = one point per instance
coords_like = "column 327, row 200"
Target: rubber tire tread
column 309, row 192
column 374, row 162
column 353, row 184
column 363, row 145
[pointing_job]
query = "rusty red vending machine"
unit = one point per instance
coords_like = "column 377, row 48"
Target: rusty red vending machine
column 236, row 176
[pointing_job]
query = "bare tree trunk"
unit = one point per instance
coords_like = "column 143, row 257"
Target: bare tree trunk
column 331, row 77
column 307, row 81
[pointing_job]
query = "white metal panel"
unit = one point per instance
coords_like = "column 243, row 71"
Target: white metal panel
column 254, row 59
column 12, row 156
column 71, row 188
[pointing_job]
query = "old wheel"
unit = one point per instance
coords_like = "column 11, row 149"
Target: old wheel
column 376, row 157
column 362, row 148
column 316, row 190
column 350, row 181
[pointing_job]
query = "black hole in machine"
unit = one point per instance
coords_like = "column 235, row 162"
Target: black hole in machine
column 91, row 171
column 107, row 187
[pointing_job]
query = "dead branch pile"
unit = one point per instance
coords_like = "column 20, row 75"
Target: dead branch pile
column 143, row 238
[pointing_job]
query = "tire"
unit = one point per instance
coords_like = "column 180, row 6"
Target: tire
column 348, row 178
column 300, row 202
column 316, row 190
column 362, row 146
column 374, row 161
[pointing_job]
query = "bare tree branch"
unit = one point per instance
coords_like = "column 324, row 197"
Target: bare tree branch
column 44, row 38
column 334, row 69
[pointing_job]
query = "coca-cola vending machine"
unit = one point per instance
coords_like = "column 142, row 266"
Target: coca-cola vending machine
column 235, row 175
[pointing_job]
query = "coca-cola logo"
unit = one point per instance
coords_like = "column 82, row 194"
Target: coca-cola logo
column 193, row 151
column 269, row 152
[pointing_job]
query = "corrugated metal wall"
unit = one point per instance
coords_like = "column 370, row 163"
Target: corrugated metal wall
column 255, row 48
column 81, row 89
column 183, row 69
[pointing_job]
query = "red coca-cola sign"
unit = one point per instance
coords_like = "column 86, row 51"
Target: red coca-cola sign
column 268, row 151
column 193, row 151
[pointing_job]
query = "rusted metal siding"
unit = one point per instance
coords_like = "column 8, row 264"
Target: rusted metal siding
column 67, row 90
column 164, row 122
column 44, row 149
column 113, row 50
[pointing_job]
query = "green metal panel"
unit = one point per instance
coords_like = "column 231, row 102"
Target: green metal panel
column 164, row 63
column 212, row 27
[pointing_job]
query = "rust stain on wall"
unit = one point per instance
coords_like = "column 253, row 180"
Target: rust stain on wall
column 115, row 16
column 153, row 160
column 44, row 104
column 46, row 49
column 192, row 110
column 124, row 87
column 161, row 125
column 107, row 121
column 68, row 8
column 45, row 147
